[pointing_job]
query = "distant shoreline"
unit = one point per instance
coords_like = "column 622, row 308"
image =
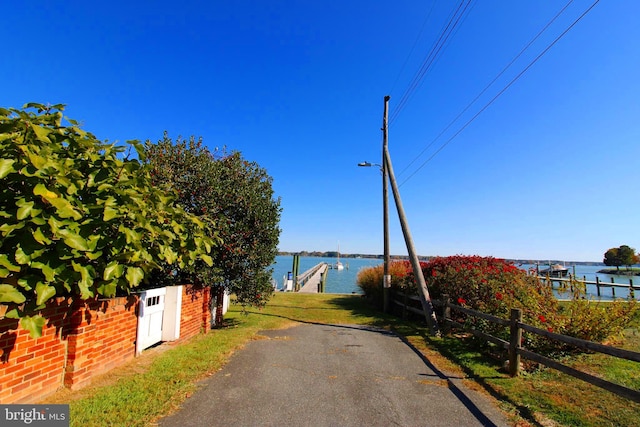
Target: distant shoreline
column 334, row 254
column 625, row 272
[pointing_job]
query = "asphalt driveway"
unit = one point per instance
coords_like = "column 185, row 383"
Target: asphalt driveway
column 333, row 375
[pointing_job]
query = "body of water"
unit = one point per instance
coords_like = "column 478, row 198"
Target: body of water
column 344, row 281
column 338, row 281
column 590, row 273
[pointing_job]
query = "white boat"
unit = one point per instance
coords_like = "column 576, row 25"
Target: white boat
column 338, row 265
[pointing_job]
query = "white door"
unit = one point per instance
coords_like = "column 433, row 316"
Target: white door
column 150, row 318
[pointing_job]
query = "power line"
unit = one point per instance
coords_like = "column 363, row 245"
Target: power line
column 503, row 90
column 488, row 85
column 424, row 24
column 436, row 50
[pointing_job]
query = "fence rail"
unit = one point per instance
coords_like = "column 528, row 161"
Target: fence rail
column 597, row 283
column 514, row 346
column 302, row 279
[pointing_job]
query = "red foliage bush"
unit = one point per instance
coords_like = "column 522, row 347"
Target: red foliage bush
column 490, row 285
column 495, row 286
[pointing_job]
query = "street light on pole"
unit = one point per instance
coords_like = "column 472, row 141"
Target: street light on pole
column 386, row 281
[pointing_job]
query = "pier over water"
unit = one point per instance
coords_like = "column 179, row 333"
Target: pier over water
column 312, row 280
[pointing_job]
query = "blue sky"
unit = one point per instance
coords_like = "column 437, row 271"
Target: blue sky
column 549, row 170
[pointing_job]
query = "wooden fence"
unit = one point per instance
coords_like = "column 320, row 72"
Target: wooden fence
column 571, row 280
column 514, row 347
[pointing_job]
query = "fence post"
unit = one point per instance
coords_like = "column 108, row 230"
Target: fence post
column 515, row 341
column 613, row 289
column 446, row 313
column 631, row 291
column 598, row 286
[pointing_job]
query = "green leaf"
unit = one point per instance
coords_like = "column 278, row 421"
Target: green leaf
column 113, row 270
column 207, row 259
column 41, row 190
column 4, row 261
column 109, row 214
column 169, row 254
column 41, row 133
column 44, row 293
column 6, row 167
column 93, row 255
column 6, row 229
column 9, row 293
column 34, row 325
column 131, row 235
column 21, row 257
column 56, row 226
column 24, row 209
column 37, row 161
column 38, row 220
column 28, row 282
column 86, row 282
column 65, row 209
column 108, row 289
column 48, row 272
column 35, row 105
column 39, row 237
column 73, row 240
column 12, row 314
column 134, row 276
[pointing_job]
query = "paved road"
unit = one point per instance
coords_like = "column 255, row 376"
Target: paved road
column 332, row 375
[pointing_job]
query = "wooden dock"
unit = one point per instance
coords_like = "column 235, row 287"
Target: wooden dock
column 311, row 280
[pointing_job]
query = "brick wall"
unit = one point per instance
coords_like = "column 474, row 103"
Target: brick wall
column 102, row 336
column 32, row 367
column 81, row 339
column 195, row 316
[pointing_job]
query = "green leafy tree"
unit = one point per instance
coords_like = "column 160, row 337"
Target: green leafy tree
column 186, row 170
column 612, row 259
column 627, row 255
column 78, row 220
column 239, row 197
column 623, row 255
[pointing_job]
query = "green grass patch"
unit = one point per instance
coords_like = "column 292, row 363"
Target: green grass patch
column 154, row 385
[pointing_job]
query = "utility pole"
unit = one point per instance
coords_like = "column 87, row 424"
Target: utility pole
column 423, row 291
column 386, row 282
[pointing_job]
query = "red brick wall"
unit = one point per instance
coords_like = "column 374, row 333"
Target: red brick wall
column 80, row 340
column 102, row 335
column 32, row 367
column 195, row 316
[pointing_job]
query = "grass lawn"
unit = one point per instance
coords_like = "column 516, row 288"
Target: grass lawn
column 155, row 384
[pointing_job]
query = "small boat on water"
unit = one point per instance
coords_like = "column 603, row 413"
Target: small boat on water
column 338, row 265
column 555, row 270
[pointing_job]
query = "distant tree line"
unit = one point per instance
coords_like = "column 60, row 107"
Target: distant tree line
column 333, row 254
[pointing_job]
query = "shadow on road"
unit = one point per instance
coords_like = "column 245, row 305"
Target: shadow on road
column 360, row 307
column 384, row 324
